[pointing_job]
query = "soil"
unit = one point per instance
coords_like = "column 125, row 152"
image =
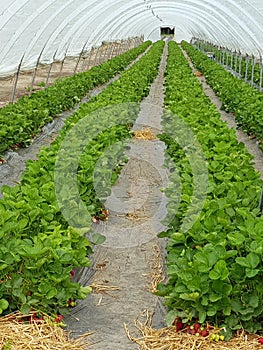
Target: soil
column 45, row 75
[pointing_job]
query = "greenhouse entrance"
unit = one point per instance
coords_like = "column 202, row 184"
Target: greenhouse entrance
column 167, row 32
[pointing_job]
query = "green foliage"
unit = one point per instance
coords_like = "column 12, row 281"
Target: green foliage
column 215, row 268
column 20, row 122
column 239, row 98
column 38, row 248
column 226, row 60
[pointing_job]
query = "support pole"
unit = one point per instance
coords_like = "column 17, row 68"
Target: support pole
column 236, row 68
column 16, row 79
column 247, row 63
column 232, row 60
column 252, row 70
column 83, row 63
column 261, row 74
column 79, row 58
column 35, row 70
column 95, row 59
column 240, row 64
column 50, row 67
column 62, row 63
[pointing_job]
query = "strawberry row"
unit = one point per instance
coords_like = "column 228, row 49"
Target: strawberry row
column 215, row 244
column 20, row 122
column 39, row 248
column 238, row 97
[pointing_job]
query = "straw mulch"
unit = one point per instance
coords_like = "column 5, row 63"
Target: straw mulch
column 100, row 288
column 144, row 134
column 36, row 335
column 148, row 338
column 139, row 216
column 157, row 271
column 198, row 74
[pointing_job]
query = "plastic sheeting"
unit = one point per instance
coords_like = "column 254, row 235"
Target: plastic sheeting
column 53, row 29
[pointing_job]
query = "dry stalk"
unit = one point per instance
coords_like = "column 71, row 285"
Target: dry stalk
column 156, row 265
column 104, row 289
column 144, row 134
column 198, row 74
column 167, row 338
column 41, row 335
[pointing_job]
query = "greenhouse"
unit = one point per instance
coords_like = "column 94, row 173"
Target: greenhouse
column 131, row 174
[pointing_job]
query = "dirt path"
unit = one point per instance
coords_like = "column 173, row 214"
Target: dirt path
column 132, row 253
column 251, row 144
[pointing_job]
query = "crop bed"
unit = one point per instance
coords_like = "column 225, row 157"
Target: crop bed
column 238, row 97
column 214, row 267
column 21, row 122
column 38, row 247
column 215, row 246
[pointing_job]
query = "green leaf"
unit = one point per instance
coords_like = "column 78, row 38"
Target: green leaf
column 236, row 238
column 51, row 293
column 215, row 297
column 98, row 238
column 25, row 309
column 190, row 296
column 250, row 273
column 220, row 271
column 222, row 288
column 251, row 260
column 170, row 317
column 84, row 291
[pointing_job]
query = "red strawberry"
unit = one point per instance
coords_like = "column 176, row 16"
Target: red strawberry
column 59, row 318
column 179, row 326
column 204, row 333
column 260, row 340
column 197, row 326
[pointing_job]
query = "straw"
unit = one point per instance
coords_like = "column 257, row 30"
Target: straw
column 16, row 334
column 156, row 265
column 148, row 338
column 144, row 134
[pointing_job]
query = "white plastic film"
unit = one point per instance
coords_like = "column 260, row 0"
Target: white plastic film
column 52, row 29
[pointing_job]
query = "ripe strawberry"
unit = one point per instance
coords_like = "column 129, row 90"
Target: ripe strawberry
column 260, row 340
column 59, row 318
column 197, row 326
column 179, row 326
column 204, row 333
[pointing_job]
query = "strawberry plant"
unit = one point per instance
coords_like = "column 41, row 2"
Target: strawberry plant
column 39, row 249
column 20, row 122
column 215, row 267
column 235, row 64
column 239, row 98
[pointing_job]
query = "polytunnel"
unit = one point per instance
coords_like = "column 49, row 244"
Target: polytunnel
column 31, row 28
column 131, row 174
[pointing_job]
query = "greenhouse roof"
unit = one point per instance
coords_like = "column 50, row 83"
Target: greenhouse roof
column 52, row 29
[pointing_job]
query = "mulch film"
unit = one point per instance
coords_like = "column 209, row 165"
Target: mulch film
column 17, row 334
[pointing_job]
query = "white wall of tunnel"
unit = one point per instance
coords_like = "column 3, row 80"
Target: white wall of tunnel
column 56, row 28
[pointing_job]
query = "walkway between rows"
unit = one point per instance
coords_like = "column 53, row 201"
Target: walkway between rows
column 130, row 262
